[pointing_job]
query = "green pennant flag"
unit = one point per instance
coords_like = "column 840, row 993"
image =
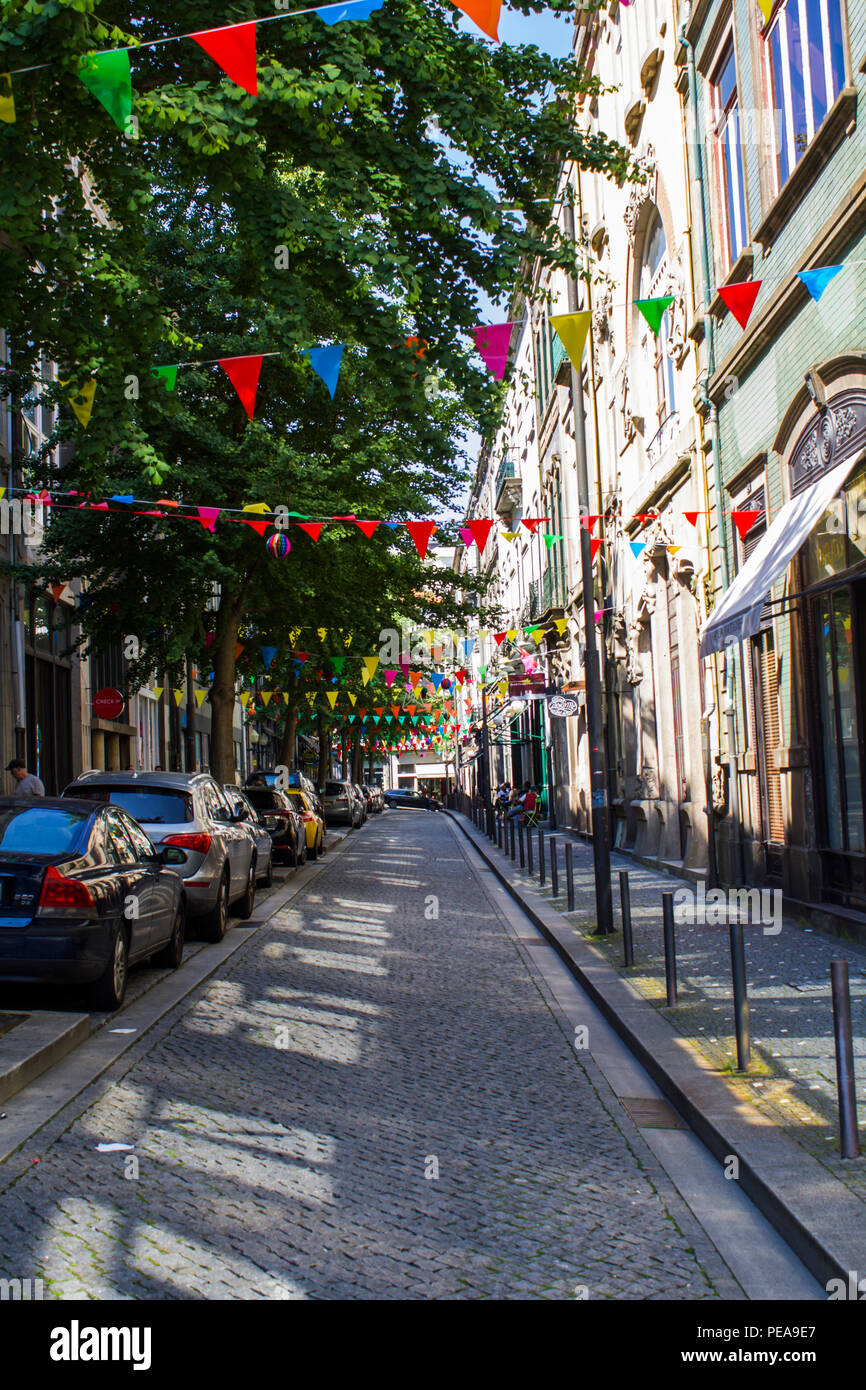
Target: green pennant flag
column 338, row 662
column 168, row 375
column 376, row 718
column 107, row 76
column 550, row 540
column 653, row 310
column 299, row 516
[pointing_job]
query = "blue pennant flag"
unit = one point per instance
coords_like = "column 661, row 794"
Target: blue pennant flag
column 125, row 497
column 392, row 525
column 637, row 547
column 354, row 9
column 816, row 281
column 325, row 362
column 268, row 654
column 437, row 677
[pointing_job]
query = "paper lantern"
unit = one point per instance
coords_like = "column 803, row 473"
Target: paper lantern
column 279, row 545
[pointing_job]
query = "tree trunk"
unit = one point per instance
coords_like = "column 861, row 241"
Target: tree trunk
column 290, row 728
column 222, row 696
column 324, row 753
column 357, row 757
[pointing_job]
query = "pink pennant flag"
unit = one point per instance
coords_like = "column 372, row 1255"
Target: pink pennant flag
column 208, row 517
column 390, row 677
column 493, row 342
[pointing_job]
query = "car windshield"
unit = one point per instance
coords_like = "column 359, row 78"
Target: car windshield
column 263, row 799
column 298, row 799
column 149, row 805
column 42, row 830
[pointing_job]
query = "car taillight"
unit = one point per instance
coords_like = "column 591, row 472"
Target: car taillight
column 306, row 815
column 63, row 892
column 286, row 815
column 341, row 801
column 195, row 840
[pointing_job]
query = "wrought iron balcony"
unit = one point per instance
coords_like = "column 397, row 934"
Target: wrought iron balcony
column 547, row 596
column 509, row 488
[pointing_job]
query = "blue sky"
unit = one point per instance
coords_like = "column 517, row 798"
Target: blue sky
column 551, row 33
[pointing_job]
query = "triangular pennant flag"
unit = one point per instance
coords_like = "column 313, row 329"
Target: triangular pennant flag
column 331, row 697
column 421, row 531
column 368, row 527
column 312, row 528
column 260, row 507
column 325, row 362
column 550, row 540
column 594, row 548
column 477, row 531
column 484, row 13
column 208, row 517
column 493, row 341
column 572, row 331
column 560, row 624
column 499, row 638
column 239, row 647
column 532, row 523
column 7, row 100
column 285, row 697
column 816, row 281
column 589, row 522
column 82, row 403
column 322, row 633
column 509, row 535
column 243, row 373
column 354, row 9
column 266, row 697
column 268, row 654
column 311, row 698
column 390, row 677
column 370, row 664
column 234, row 49
column 338, row 662
column 108, row 77
column 178, row 696
column 157, row 691
column 352, row 699
column 167, row 375
column 653, row 310
column 674, row 549
column 740, row 299
column 744, row 521
column 511, row 634
column 637, row 548
column 245, row 698
column 766, row 8
column 692, row 517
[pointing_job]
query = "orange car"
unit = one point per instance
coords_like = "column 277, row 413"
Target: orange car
column 314, row 825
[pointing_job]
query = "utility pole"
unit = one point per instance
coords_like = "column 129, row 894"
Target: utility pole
column 485, row 756
column 595, row 727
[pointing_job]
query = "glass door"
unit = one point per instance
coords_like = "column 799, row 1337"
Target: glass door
column 839, row 621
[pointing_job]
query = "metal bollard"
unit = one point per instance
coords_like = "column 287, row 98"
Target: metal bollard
column 499, row 833
column 625, row 900
column 741, row 996
column 541, row 863
column 511, row 836
column 670, row 948
column 520, row 842
column 554, row 868
column 569, row 874
column 849, row 1138
column 529, row 865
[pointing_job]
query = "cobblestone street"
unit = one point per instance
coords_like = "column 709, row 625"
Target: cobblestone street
column 370, row 1101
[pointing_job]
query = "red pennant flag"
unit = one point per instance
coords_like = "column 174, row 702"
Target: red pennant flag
column 368, row 527
column 461, row 674
column 243, row 373
column 644, row 517
column 234, row 49
column 302, row 656
column 239, row 647
column 740, row 299
column 692, row 517
column 421, row 531
column 499, row 638
column 532, row 523
column 590, row 521
column 312, row 528
column 744, row 521
column 595, row 547
column 207, row 516
column 479, row 530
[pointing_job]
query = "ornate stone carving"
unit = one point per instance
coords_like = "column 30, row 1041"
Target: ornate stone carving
column 641, row 193
column 677, row 326
column 624, row 402
column 601, row 320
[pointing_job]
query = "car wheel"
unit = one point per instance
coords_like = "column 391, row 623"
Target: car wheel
column 268, row 879
column 301, row 858
column 171, row 955
column 213, row 926
column 109, row 991
column 244, row 908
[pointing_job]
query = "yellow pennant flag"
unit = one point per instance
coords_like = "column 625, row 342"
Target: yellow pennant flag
column 560, row 624
column 294, row 635
column 200, row 697
column 157, row 691
column 7, row 101
column 311, row 698
column 370, row 664
column 482, row 633
column 82, row 404
column 510, row 535
column 331, row 697
column 503, row 688
column 766, row 8
column 674, row 549
column 267, row 696
column 245, row 698
column 323, row 632
column 178, row 696
column 511, row 634
column 353, row 698
column 431, row 637
column 572, row 330
column 285, row 697
column 365, row 677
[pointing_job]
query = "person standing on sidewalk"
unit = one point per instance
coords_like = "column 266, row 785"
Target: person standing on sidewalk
column 28, row 783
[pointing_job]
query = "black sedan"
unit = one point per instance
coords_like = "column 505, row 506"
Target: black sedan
column 398, row 797
column 277, row 813
column 84, row 895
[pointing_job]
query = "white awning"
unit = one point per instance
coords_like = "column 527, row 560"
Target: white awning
column 739, row 614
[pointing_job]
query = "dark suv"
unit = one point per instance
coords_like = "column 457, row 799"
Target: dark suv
column 276, row 812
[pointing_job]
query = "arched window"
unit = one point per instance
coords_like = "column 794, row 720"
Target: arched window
column 653, row 284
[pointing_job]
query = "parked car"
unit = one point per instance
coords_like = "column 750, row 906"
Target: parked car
column 296, row 782
column 279, row 816
column 361, row 799
column 342, row 804
column 249, row 819
column 188, row 810
column 84, row 894
column 374, row 798
column 314, row 821
column 397, row 797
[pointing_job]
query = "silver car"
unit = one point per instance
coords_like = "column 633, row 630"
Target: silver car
column 189, row 810
column 342, row 804
column 260, row 837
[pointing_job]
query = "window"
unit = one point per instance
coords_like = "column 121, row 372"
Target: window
column 119, row 845
column 653, row 284
column 805, row 72
column 141, row 844
column 729, row 182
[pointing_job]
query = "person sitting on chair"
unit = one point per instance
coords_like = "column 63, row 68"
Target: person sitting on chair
column 530, row 805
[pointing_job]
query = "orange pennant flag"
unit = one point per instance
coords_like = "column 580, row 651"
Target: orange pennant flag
column 484, row 13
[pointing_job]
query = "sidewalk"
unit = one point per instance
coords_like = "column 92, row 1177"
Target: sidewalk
column 790, row 1089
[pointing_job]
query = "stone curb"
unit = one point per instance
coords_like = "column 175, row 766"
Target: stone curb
column 819, row 1218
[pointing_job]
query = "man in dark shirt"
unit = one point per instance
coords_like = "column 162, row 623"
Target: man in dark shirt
column 28, row 783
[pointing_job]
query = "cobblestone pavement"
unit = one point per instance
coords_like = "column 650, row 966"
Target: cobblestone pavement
column 370, row 1101
column 793, row 1073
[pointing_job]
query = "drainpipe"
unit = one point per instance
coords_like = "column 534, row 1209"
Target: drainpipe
column 697, row 163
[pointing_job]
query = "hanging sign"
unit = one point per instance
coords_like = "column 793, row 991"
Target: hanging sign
column 108, row 704
column 562, row 705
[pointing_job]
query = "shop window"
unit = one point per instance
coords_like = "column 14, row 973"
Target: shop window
column 729, row 181
column 805, row 72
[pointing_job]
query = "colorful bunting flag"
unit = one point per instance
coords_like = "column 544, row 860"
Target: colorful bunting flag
column 178, row 696
column 243, row 373
column 107, row 76
column 560, row 624
column 268, row 654
column 572, row 331
column 509, row 535
column 421, row 531
column 7, row 100
column 325, row 362
column 368, row 527
column 259, row 526
column 355, row 9
column 637, row 548
column 740, row 299
column 233, row 48
column 484, row 13
column 477, row 531
column 594, row 547
column 167, row 375
column 744, row 521
column 766, row 8
column 208, row 517
column 550, row 540
column 331, row 697
column 653, row 310
column 312, row 528
column 493, row 342
column 816, row 281
column 370, row 664
column 82, row 404
column 589, row 522
column 499, row 638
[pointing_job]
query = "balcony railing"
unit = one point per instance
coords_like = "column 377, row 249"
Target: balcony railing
column 546, row 595
column 509, row 488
